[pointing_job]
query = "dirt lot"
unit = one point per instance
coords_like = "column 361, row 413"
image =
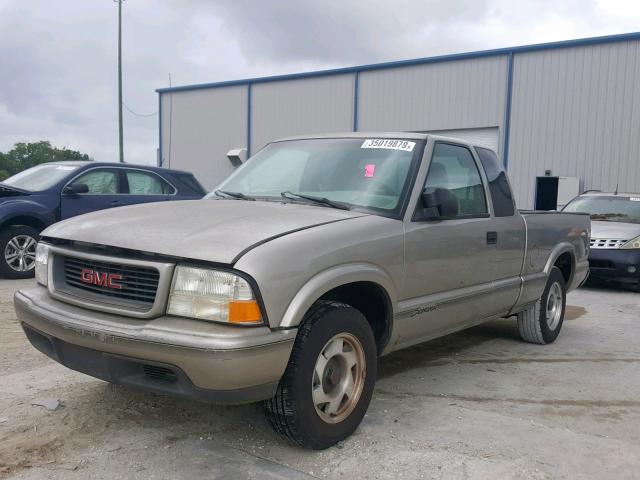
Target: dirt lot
column 478, row 404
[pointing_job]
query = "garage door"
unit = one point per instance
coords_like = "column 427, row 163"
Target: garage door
column 484, row 137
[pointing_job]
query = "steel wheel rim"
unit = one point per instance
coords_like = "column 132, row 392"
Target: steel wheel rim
column 20, row 253
column 338, row 378
column 554, row 306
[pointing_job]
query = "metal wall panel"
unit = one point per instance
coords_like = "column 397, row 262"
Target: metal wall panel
column 449, row 95
column 576, row 111
column 199, row 128
column 296, row 107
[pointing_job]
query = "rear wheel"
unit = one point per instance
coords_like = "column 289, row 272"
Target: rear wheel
column 328, row 384
column 18, row 250
column 541, row 323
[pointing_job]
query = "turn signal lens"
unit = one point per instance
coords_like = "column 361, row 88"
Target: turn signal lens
column 244, row 311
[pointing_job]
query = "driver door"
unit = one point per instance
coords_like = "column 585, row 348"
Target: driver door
column 447, row 261
column 104, row 192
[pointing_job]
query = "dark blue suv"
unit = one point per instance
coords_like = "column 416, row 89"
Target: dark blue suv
column 32, row 200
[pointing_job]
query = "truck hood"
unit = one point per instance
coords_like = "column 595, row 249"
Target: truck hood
column 7, row 192
column 614, row 230
column 211, row 230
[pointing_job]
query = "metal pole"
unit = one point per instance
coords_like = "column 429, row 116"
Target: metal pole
column 120, row 80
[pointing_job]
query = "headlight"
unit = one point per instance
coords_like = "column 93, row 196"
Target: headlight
column 633, row 243
column 213, row 295
column 42, row 263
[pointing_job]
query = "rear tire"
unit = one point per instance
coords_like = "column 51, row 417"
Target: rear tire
column 18, row 252
column 541, row 323
column 327, row 386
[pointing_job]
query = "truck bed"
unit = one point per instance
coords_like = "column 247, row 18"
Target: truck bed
column 549, row 233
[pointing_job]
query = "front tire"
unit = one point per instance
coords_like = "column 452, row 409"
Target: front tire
column 18, row 252
column 542, row 322
column 328, row 383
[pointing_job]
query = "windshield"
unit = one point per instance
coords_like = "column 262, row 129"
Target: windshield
column 40, row 178
column 368, row 173
column 608, row 208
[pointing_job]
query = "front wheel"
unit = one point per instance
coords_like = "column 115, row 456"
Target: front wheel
column 18, row 249
column 328, row 383
column 541, row 323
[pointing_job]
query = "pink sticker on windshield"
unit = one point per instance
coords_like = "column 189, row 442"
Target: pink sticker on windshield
column 369, row 170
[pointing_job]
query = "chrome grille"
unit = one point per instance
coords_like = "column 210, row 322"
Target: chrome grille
column 139, row 284
column 606, row 243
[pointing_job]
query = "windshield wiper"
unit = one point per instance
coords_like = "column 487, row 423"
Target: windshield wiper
column 320, row 200
column 237, row 195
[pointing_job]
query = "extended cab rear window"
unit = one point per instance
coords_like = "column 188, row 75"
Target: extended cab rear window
column 498, row 183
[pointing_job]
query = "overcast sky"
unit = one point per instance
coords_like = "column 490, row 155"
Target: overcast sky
column 58, row 59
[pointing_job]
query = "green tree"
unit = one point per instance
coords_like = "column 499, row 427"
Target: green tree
column 27, row 155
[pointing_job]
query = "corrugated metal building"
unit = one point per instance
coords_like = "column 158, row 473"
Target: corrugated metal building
column 571, row 107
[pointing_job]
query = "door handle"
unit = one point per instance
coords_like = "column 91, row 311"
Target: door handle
column 492, row 238
column 115, row 202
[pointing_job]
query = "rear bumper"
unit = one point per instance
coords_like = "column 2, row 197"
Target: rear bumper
column 170, row 355
column 614, row 264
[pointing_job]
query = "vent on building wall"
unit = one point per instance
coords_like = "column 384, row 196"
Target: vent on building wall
column 237, row 156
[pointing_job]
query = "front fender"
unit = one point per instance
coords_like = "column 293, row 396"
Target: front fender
column 330, row 279
column 26, row 208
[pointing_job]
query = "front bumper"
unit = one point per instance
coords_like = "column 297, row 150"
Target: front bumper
column 172, row 355
column 613, row 264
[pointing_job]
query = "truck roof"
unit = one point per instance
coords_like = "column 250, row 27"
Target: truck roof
column 395, row 135
column 402, row 135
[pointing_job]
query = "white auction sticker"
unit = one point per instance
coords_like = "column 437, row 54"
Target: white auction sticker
column 403, row 145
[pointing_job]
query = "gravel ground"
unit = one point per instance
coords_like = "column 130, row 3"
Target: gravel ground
column 478, row 404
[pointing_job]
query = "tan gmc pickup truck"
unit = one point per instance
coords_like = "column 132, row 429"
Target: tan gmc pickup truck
column 286, row 283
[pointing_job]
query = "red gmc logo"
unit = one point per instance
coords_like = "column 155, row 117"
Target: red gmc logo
column 101, row 279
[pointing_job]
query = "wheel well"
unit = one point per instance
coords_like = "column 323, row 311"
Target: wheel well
column 565, row 264
column 372, row 301
column 24, row 220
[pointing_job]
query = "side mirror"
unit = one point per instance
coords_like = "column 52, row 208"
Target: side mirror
column 76, row 188
column 439, row 203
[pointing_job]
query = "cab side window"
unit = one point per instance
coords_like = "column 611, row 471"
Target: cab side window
column 143, row 183
column 100, row 181
column 453, row 167
column 498, row 183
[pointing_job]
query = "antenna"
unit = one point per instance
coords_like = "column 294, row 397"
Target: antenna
column 616, row 192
